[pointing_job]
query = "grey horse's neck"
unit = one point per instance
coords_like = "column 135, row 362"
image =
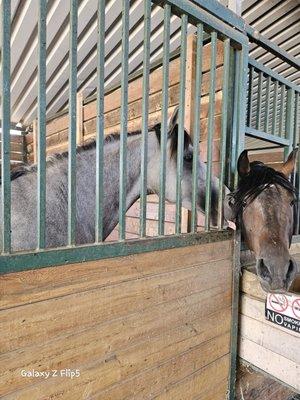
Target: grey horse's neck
column 24, row 193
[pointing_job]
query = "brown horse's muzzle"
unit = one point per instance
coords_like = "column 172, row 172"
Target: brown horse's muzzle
column 276, row 275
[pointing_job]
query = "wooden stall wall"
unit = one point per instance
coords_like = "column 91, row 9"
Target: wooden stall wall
column 153, row 325
column 271, row 348
column 18, row 153
column 57, row 128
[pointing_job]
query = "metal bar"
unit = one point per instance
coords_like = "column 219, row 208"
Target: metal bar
column 281, row 118
column 5, row 117
column 234, row 142
column 196, row 130
column 250, row 96
column 124, row 111
column 180, row 142
column 290, row 121
column 41, row 127
column 275, row 106
column 100, row 123
column 145, row 110
column 210, row 23
column 261, row 67
column 225, row 90
column 271, row 47
column 297, row 134
column 242, row 60
column 72, row 123
column 210, row 128
column 222, row 12
column 266, row 136
column 259, row 99
column 267, row 102
column 164, row 122
column 45, row 258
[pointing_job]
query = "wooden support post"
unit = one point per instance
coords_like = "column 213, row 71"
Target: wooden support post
column 34, row 135
column 79, row 122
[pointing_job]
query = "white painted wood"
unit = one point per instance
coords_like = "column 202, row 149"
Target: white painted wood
column 267, row 336
column 255, row 309
column 274, row 364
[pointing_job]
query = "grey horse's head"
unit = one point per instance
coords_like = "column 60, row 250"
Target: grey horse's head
column 187, row 172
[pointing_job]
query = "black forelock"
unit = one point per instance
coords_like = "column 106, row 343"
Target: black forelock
column 258, row 179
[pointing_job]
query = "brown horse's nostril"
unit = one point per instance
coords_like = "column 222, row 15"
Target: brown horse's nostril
column 290, row 272
column 263, row 271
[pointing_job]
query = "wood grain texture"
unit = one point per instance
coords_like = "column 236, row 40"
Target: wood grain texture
column 146, row 323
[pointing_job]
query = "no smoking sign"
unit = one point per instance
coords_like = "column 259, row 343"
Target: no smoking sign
column 284, row 310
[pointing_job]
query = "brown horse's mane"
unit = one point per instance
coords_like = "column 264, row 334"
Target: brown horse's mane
column 258, row 179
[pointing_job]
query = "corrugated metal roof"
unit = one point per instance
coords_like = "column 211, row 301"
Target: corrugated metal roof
column 278, row 20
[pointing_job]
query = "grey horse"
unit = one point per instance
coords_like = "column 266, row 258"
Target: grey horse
column 24, row 187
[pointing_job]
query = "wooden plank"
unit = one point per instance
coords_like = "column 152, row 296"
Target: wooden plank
column 270, row 338
column 35, row 140
column 251, row 286
column 112, row 100
column 199, row 382
column 153, row 379
column 255, row 309
column 79, row 116
column 37, row 285
column 134, row 356
column 274, row 364
column 28, row 324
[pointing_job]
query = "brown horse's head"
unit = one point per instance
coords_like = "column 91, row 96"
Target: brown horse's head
column 264, row 200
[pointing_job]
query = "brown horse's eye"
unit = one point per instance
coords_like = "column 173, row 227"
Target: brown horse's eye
column 292, row 203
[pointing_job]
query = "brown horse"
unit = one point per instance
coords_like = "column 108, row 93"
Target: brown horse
column 263, row 205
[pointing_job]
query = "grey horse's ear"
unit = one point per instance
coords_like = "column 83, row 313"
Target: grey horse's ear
column 173, row 120
column 289, row 165
column 243, row 164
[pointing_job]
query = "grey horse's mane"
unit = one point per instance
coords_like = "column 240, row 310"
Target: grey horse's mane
column 24, row 169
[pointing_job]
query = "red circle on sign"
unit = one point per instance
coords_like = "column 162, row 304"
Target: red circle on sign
column 280, row 301
column 296, row 308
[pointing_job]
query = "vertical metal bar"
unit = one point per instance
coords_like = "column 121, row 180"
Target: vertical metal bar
column 72, row 123
column 145, row 110
column 210, row 127
column 250, row 97
column 164, row 123
column 5, row 117
column 241, row 123
column 124, row 111
column 275, row 106
column 41, row 150
column 225, row 89
column 259, row 100
column 297, row 135
column 196, row 131
column 230, row 166
column 234, row 141
column 267, row 105
column 100, row 122
column 281, row 118
column 290, row 109
column 180, row 143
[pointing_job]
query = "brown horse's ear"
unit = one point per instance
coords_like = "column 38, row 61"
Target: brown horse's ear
column 243, row 164
column 289, row 165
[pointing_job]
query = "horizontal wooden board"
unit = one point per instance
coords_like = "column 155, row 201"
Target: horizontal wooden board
column 199, row 382
column 274, row 364
column 134, row 356
column 267, row 336
column 255, row 309
column 28, row 324
column 47, row 283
